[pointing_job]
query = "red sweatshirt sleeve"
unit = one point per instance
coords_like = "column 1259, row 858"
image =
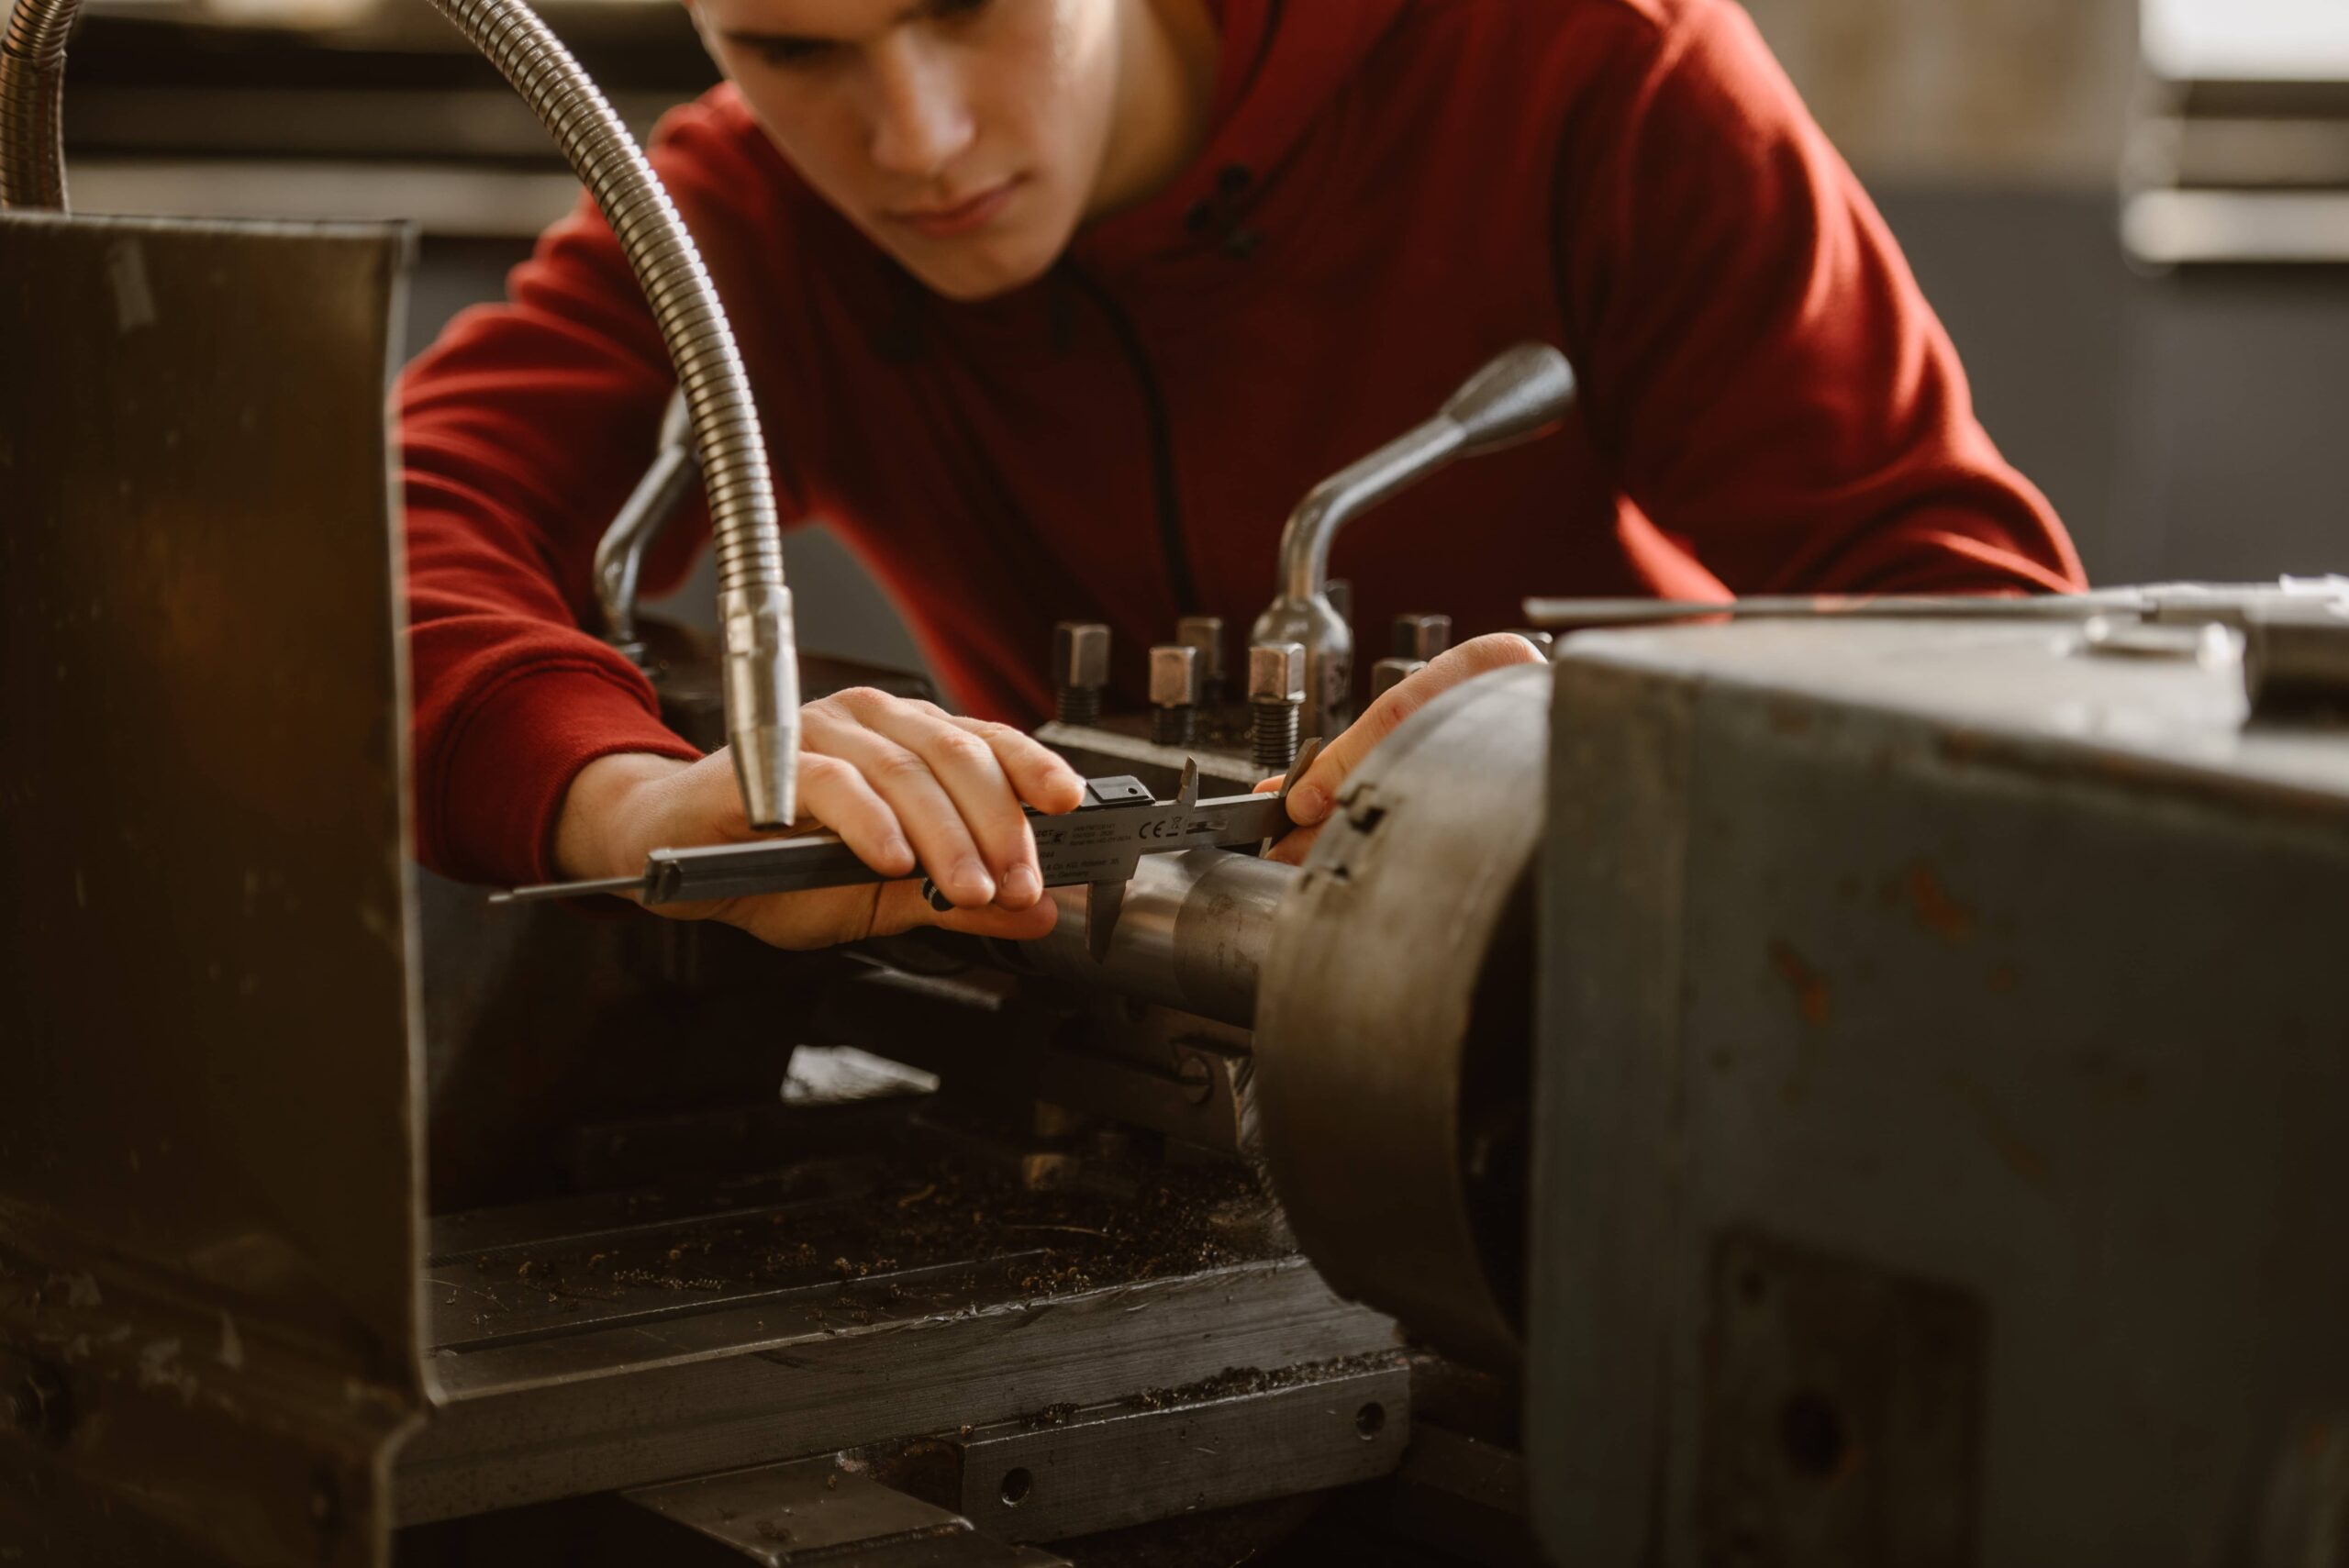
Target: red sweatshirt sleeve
column 1780, row 400
column 522, row 430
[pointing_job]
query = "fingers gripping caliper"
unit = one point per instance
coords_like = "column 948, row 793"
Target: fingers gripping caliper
column 1097, row 845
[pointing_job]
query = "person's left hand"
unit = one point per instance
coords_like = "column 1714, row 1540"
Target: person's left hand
column 1309, row 802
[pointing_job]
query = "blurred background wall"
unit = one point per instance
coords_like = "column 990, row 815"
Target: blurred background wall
column 2044, row 162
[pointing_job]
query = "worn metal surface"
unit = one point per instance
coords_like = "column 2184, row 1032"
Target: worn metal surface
column 1242, row 1436
column 1392, row 1018
column 584, row 1347
column 816, row 1511
column 1950, row 952
column 1842, row 1415
column 208, row 1184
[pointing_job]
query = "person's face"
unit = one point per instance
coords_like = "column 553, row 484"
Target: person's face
column 964, row 137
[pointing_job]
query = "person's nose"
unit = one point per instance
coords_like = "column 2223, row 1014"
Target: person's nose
column 922, row 120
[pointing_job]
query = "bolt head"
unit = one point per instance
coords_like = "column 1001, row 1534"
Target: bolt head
column 1421, row 635
column 1276, row 672
column 1081, row 654
column 1206, row 634
column 1388, row 673
column 1174, row 675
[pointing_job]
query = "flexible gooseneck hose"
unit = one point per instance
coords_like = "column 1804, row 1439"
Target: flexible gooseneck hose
column 762, row 676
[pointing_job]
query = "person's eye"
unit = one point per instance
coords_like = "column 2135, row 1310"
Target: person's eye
column 790, row 53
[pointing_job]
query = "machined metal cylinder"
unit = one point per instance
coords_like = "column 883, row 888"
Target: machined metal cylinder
column 1191, row 934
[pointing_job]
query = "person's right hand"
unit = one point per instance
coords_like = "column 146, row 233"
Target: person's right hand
column 909, row 786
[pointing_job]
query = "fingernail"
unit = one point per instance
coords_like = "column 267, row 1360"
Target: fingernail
column 1307, row 804
column 1022, row 887
column 897, row 853
column 973, row 877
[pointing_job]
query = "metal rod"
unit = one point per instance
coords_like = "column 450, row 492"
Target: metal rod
column 619, row 554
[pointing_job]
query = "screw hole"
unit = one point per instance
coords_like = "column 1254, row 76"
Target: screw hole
column 1017, row 1484
column 1811, row 1429
column 1370, row 1418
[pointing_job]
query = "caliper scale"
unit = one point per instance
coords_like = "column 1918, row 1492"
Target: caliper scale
column 1097, row 845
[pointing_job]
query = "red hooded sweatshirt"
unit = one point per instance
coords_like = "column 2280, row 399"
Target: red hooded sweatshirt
column 1393, row 191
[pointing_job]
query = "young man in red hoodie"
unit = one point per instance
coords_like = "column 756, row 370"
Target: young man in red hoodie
column 1054, row 308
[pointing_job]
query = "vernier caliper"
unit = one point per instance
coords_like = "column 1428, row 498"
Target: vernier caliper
column 1098, row 845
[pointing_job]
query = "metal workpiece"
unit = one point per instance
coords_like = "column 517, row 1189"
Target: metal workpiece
column 1175, row 691
column 1192, row 934
column 1518, row 394
column 1206, row 634
column 619, row 554
column 762, row 679
column 1393, row 1014
column 1419, row 635
column 1388, row 673
column 1080, row 670
column 1276, row 701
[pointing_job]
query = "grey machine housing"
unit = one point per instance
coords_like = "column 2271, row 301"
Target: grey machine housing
column 1941, row 1114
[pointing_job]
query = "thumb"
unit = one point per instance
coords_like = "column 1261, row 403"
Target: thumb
column 1310, row 801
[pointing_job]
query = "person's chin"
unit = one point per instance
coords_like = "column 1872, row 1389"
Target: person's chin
column 971, row 271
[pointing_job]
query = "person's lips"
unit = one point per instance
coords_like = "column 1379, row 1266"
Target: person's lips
column 971, row 213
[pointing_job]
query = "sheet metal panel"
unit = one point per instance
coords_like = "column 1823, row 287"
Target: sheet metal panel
column 208, row 1169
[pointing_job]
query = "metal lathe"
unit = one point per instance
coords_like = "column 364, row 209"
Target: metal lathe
column 1836, row 1083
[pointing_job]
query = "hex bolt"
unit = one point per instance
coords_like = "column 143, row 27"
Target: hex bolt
column 1421, row 637
column 1390, row 672
column 1276, row 699
column 1080, row 669
column 1206, row 634
column 1174, row 694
